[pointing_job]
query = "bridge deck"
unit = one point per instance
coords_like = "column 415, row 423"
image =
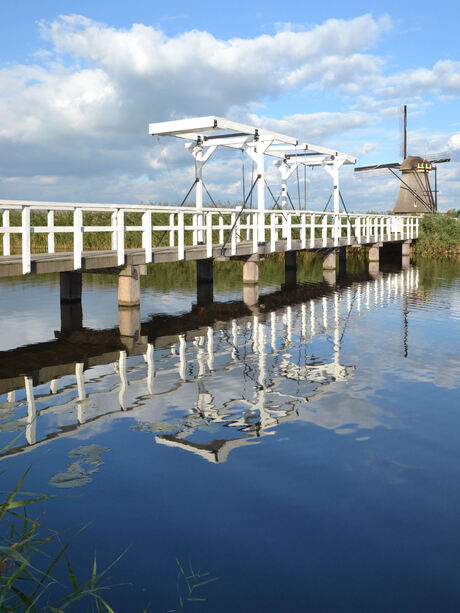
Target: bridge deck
column 94, row 260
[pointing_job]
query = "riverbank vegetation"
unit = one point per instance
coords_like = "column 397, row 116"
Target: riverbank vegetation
column 439, row 236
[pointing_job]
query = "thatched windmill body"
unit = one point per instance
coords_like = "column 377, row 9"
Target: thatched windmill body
column 415, row 192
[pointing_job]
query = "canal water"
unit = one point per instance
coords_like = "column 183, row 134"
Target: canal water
column 303, row 450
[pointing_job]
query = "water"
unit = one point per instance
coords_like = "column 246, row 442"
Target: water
column 304, row 452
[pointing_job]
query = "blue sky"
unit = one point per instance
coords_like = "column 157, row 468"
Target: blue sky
column 80, row 83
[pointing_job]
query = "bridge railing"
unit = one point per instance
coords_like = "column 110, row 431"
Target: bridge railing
column 180, row 227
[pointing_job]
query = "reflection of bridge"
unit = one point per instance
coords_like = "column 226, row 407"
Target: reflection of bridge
column 270, row 345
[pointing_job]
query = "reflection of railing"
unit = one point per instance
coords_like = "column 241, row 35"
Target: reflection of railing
column 249, row 343
column 184, row 226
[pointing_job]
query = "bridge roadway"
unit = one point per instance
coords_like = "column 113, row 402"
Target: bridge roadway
column 100, row 260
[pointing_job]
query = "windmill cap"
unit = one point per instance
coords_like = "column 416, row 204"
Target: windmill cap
column 411, row 162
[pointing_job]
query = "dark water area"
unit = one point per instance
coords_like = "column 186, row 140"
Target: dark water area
column 304, row 451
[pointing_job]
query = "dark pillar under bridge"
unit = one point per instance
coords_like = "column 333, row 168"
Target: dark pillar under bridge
column 204, row 281
column 290, row 268
column 70, row 297
column 342, row 264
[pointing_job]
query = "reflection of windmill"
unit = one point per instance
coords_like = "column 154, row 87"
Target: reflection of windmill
column 415, row 193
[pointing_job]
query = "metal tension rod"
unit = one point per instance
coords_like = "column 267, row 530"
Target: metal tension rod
column 409, row 188
column 239, row 215
column 183, row 202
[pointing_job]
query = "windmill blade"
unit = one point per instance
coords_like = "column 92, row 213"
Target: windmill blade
column 438, row 158
column 372, row 171
column 403, row 131
column 395, row 165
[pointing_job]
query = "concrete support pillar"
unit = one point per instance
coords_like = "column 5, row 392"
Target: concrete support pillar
column 129, row 287
column 374, row 252
column 329, row 260
column 290, row 268
column 251, row 269
column 204, row 281
column 405, row 248
column 71, row 309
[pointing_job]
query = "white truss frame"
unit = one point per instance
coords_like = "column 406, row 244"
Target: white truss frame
column 205, row 134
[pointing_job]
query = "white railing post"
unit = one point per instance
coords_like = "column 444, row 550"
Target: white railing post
column 238, row 229
column 25, row 221
column 6, row 235
column 233, row 236
column 113, row 234
column 312, row 231
column 147, row 235
column 171, row 230
column 358, row 229
column 195, row 229
column 272, row 233
column 120, row 237
column 77, row 238
column 50, row 223
column 180, row 236
column 209, row 234
column 255, row 226
column 303, row 231
column 335, row 229
column 348, row 231
column 416, row 226
column 289, row 232
column 221, row 229
column 324, row 230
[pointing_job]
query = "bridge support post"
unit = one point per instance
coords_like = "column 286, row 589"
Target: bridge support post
column 129, row 287
column 71, row 309
column 251, row 270
column 405, row 248
column 330, row 267
column 204, row 281
column 290, row 268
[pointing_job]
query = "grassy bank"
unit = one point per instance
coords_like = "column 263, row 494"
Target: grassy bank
column 439, row 236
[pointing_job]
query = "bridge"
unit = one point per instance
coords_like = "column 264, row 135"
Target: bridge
column 47, row 387
column 36, row 235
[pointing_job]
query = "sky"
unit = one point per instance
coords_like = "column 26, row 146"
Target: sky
column 81, row 81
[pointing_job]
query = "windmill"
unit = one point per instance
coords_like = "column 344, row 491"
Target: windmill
column 415, row 193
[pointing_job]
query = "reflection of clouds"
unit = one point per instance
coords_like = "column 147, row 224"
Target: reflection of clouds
column 343, row 412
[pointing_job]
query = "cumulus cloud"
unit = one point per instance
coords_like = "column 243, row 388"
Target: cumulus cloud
column 74, row 120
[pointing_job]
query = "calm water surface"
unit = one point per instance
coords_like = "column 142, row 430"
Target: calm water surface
column 305, row 451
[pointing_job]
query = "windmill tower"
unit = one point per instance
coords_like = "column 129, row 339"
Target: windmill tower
column 415, row 193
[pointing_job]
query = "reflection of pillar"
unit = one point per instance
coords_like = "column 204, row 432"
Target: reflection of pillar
column 251, row 269
column 31, row 427
column 129, row 322
column 204, row 281
column 330, row 277
column 182, row 359
column 290, row 268
column 251, row 295
column 129, row 288
column 149, row 358
column 123, row 379
column 71, row 311
column 374, row 268
column 81, row 391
